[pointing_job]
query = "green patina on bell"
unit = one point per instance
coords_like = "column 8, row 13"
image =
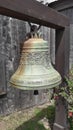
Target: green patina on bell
column 35, row 70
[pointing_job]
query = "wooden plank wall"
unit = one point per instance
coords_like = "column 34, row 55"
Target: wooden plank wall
column 12, row 35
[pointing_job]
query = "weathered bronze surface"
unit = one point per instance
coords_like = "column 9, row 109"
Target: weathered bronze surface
column 35, row 70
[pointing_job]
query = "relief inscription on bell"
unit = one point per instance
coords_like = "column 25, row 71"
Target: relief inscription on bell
column 36, row 58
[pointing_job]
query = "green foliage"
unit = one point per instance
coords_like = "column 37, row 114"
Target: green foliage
column 67, row 91
column 70, row 119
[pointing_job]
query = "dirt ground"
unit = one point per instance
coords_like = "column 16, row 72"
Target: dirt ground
column 15, row 120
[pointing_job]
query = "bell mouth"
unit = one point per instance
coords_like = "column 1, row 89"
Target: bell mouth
column 37, row 87
column 35, row 82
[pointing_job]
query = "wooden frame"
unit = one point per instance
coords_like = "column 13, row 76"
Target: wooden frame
column 33, row 11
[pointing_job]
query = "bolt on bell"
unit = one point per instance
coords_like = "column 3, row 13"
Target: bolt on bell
column 35, row 70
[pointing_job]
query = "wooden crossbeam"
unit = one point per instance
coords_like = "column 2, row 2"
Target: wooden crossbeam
column 31, row 10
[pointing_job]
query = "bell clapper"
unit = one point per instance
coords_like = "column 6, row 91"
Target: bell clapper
column 36, row 93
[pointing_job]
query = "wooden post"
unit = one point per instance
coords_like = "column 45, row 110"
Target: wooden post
column 62, row 65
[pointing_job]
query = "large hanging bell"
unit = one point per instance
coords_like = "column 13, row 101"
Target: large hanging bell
column 35, row 70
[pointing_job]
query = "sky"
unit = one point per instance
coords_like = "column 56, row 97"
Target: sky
column 47, row 1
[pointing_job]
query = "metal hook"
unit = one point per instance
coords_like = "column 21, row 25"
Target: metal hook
column 33, row 31
column 34, row 28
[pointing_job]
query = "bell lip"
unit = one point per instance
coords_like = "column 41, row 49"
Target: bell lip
column 36, row 87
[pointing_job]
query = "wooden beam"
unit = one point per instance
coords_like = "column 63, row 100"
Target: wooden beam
column 31, row 10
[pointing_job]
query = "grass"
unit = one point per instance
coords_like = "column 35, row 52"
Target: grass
column 31, row 125
column 31, row 119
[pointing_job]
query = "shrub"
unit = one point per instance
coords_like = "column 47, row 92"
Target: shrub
column 70, row 119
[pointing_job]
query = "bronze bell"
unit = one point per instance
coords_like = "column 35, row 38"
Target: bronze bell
column 35, row 70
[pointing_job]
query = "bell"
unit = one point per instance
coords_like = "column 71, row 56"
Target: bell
column 35, row 70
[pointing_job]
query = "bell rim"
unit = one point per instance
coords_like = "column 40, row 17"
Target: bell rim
column 36, row 87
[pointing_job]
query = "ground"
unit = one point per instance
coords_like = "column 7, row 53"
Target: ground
column 31, row 119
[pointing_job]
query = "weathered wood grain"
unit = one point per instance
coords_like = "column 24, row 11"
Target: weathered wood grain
column 30, row 10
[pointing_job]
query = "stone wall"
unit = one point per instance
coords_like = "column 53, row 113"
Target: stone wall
column 12, row 35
